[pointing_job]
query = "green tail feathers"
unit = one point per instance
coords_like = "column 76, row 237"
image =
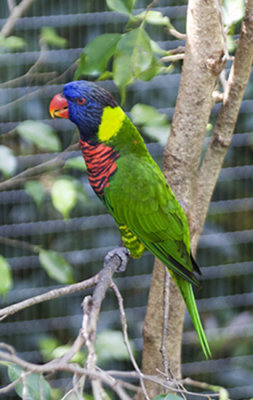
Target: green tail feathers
column 188, row 296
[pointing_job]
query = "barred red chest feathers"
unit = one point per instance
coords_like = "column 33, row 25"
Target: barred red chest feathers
column 100, row 160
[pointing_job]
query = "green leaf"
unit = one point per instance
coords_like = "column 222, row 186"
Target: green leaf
column 154, row 18
column 51, row 37
column 157, row 49
column 36, row 385
column 76, row 163
column 110, row 345
column 133, row 56
column 155, row 124
column 158, row 133
column 96, row 54
column 231, row 43
column 59, row 351
column 40, row 134
column 47, row 345
column 122, row 6
column 8, row 162
column 12, row 43
column 6, row 277
column 154, row 69
column 56, row 266
column 233, row 11
column 36, row 190
column 64, row 196
column 142, row 114
column 105, row 75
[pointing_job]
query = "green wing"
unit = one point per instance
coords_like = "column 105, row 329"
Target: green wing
column 140, row 198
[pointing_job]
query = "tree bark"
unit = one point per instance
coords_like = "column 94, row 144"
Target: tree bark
column 204, row 60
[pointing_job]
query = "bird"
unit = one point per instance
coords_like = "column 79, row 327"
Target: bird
column 132, row 186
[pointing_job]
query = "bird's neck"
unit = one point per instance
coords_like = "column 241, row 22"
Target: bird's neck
column 100, row 161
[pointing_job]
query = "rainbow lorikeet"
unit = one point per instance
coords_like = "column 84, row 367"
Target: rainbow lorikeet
column 131, row 185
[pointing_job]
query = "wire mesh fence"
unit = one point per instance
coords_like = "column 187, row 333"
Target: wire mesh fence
column 225, row 249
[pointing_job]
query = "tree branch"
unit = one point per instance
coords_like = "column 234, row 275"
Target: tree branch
column 16, row 13
column 224, row 128
column 91, row 309
column 203, row 62
column 126, row 340
column 35, row 92
column 52, row 294
column 57, row 161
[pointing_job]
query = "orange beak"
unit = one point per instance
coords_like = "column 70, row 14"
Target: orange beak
column 58, row 107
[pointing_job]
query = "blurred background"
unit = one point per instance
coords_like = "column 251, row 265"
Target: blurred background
column 31, row 214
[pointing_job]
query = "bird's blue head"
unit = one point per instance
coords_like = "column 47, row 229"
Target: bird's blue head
column 83, row 103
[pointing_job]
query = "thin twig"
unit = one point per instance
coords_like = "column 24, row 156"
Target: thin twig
column 206, row 386
column 166, row 294
column 36, row 76
column 57, row 161
column 177, row 34
column 163, row 350
column 11, row 386
column 11, row 4
column 30, row 73
column 224, row 37
column 105, row 376
column 92, row 306
column 7, row 347
column 58, row 79
column 126, row 340
column 172, row 58
column 15, row 14
column 91, row 310
column 52, row 294
column 224, row 127
column 19, row 243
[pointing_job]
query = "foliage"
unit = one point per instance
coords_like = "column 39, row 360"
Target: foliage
column 153, row 123
column 11, row 43
column 96, row 54
column 42, row 135
column 110, row 346
column 6, row 276
column 36, row 190
column 34, row 384
column 66, row 191
column 233, row 12
column 8, row 161
column 121, row 6
column 56, row 266
column 50, row 37
column 134, row 53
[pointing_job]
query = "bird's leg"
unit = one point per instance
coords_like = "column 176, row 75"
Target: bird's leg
column 123, row 254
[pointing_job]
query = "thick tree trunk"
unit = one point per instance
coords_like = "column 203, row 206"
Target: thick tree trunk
column 204, row 60
column 152, row 360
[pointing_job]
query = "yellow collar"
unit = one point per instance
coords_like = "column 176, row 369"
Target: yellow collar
column 111, row 122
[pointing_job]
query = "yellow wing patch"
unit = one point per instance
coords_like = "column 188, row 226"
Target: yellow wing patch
column 131, row 242
column 111, row 122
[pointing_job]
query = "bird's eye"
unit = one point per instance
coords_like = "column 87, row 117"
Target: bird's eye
column 80, row 100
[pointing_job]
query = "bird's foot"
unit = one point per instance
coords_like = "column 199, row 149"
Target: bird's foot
column 123, row 253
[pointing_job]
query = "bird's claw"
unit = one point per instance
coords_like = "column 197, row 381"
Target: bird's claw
column 123, row 253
